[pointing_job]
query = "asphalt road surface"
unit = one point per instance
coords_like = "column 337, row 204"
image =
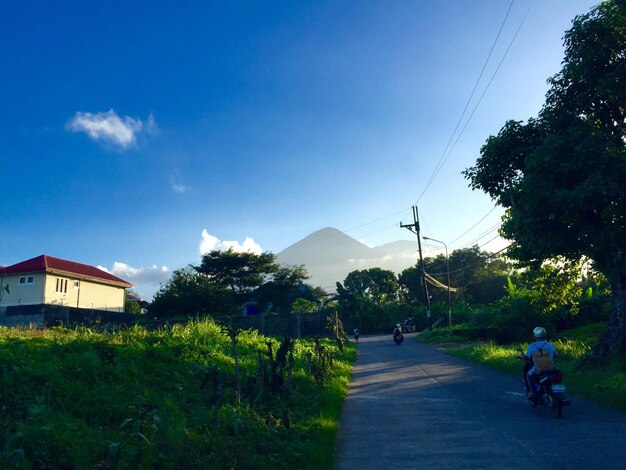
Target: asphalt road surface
column 412, row 406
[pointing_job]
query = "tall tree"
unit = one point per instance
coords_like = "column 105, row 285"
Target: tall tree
column 410, row 283
column 189, row 293
column 467, row 266
column 225, row 280
column 376, row 285
column 241, row 273
column 561, row 176
column 364, row 294
column 285, row 286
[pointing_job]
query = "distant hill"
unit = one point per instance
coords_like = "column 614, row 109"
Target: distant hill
column 329, row 255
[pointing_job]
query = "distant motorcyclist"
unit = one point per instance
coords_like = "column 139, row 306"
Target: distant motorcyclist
column 397, row 334
column 539, row 358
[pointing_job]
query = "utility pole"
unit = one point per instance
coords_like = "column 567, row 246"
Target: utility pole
column 415, row 228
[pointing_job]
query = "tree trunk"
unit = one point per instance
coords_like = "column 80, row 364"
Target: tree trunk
column 613, row 340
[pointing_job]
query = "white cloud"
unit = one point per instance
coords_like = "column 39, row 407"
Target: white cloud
column 211, row 242
column 110, row 128
column 176, row 184
column 150, row 126
column 150, row 275
column 179, row 188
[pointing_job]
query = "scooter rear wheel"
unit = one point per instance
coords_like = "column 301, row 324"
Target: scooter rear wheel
column 556, row 409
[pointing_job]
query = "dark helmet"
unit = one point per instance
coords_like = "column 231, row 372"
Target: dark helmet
column 540, row 333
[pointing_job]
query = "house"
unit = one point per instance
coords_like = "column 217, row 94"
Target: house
column 46, row 280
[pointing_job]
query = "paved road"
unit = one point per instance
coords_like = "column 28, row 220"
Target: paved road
column 412, row 406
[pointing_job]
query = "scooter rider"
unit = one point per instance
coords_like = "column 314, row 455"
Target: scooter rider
column 539, row 358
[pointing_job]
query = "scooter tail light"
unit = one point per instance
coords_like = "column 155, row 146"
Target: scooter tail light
column 557, row 377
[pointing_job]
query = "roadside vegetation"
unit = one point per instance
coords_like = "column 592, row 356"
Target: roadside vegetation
column 186, row 396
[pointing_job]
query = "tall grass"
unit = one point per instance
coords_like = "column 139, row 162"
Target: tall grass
column 161, row 399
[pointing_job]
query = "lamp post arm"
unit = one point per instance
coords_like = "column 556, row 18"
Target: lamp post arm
column 448, row 268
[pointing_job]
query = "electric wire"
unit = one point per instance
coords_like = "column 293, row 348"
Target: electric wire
column 445, row 157
column 484, row 92
column 490, row 256
column 482, row 235
column 469, row 100
column 378, row 220
column 473, row 226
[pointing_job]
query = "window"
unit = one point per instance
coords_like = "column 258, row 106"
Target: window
column 61, row 285
column 27, row 280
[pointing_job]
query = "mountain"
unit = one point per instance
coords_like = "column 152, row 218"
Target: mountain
column 329, row 255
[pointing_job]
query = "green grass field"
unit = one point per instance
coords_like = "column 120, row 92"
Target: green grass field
column 167, row 399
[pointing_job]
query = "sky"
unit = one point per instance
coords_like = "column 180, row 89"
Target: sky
column 135, row 136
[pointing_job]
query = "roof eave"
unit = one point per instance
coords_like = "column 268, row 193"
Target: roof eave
column 85, row 277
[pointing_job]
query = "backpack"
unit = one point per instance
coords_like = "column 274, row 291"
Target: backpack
column 542, row 360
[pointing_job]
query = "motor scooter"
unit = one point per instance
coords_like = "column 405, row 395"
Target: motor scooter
column 398, row 337
column 548, row 391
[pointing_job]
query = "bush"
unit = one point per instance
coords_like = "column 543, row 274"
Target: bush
column 462, row 312
column 482, row 316
column 594, row 308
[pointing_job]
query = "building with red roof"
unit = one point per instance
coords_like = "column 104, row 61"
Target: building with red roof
column 46, row 280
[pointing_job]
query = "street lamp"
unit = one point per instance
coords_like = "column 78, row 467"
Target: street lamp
column 448, row 266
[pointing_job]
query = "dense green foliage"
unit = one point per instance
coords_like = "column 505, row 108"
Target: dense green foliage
column 375, row 299
column 226, row 280
column 561, row 176
column 168, row 399
column 367, row 300
column 189, row 293
column 555, row 296
column 478, row 277
column 492, row 300
column 240, row 273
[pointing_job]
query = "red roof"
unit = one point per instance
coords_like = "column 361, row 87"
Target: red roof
column 50, row 264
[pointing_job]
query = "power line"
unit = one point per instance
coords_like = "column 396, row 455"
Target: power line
column 487, row 87
column 445, row 157
column 482, row 235
column 469, row 100
column 378, row 220
column 492, row 255
column 473, row 226
column 343, row 242
column 489, row 241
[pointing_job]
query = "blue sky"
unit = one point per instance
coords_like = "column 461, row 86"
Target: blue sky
column 136, row 132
